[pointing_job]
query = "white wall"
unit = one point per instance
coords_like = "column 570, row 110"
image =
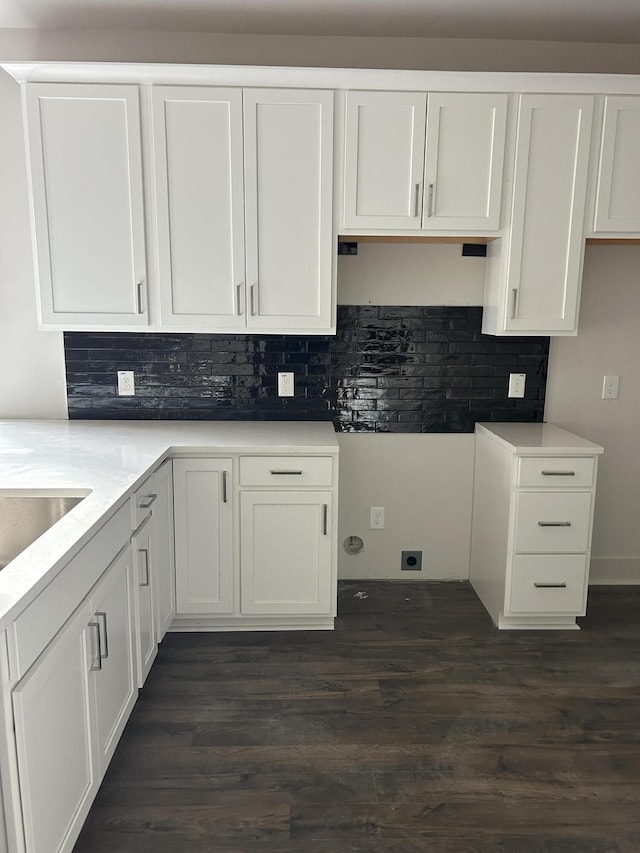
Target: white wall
column 411, row 469
column 608, row 343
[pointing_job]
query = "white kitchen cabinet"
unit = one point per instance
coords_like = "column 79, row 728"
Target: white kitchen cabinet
column 285, row 542
column 424, row 162
column 164, row 553
column 86, row 187
column 143, row 543
column 534, row 271
column 199, row 184
column 617, row 208
column 204, row 535
column 533, row 499
column 244, row 208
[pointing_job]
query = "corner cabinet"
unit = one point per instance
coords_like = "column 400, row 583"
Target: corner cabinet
column 243, row 186
column 534, row 271
column 424, row 162
column 84, row 145
column 533, row 501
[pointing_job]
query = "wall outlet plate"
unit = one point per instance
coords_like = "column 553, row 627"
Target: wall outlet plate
column 126, row 383
column 376, row 518
column 285, row 385
column 516, row 384
column 610, row 386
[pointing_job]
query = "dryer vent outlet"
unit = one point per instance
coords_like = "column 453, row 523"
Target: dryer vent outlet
column 411, row 561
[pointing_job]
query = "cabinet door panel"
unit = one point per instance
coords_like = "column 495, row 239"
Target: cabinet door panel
column 288, row 189
column 618, row 193
column 464, row 161
column 204, row 547
column 52, row 712
column 384, row 159
column 285, row 552
column 199, row 186
column 545, row 262
column 145, row 612
column 164, row 559
column 86, row 168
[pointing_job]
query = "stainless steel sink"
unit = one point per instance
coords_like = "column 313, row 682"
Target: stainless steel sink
column 25, row 517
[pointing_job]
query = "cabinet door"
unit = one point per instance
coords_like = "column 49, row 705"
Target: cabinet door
column 547, row 236
column 86, row 171
column 146, row 643
column 288, row 209
column 464, row 161
column 198, row 144
column 163, row 556
column 285, row 552
column 204, row 535
column 114, row 680
column 618, row 192
column 384, row 159
column 52, row 712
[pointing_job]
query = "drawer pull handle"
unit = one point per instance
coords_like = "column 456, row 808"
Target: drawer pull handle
column 277, row 471
column 146, row 581
column 97, row 665
column 104, row 644
column 224, row 487
column 416, row 203
column 558, row 473
column 554, row 524
column 147, row 501
column 550, row 585
column 325, row 516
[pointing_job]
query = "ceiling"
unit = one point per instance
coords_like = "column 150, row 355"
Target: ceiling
column 615, row 21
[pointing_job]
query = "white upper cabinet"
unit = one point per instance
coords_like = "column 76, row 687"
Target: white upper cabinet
column 618, row 181
column 288, row 209
column 424, row 162
column 534, row 271
column 86, row 174
column 197, row 134
column 244, row 208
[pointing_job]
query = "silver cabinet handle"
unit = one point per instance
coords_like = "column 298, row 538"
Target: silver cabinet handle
column 554, row 524
column 416, row 201
column 514, row 303
column 146, row 565
column 104, row 643
column 147, row 501
column 139, row 286
column 430, row 204
column 255, row 308
column 97, row 665
column 224, row 487
column 558, row 473
column 284, row 471
column 325, row 517
column 549, row 585
column 238, row 297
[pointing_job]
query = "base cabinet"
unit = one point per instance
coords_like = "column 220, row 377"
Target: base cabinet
column 163, row 552
column 145, row 607
column 533, row 500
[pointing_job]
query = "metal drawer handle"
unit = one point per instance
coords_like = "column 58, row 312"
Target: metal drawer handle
column 224, row 487
column 558, row 473
column 554, row 524
column 550, row 585
column 146, row 565
column 238, row 297
column 277, row 472
column 430, row 206
column 325, row 516
column 514, row 303
column 416, row 204
column 147, row 501
column 97, row 665
column 255, row 307
column 139, row 286
column 104, row 644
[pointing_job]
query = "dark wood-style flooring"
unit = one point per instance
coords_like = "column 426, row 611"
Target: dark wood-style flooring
column 414, row 726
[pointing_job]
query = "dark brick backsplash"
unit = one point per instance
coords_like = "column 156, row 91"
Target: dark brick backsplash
column 388, row 369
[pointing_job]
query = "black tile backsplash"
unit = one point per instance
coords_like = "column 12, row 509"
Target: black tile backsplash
column 388, row 369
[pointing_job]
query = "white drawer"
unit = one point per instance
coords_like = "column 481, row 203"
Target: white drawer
column 549, row 471
column 552, row 522
column 548, row 584
column 141, row 502
column 286, row 470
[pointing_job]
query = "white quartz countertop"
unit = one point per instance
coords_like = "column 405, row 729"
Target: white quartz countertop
column 539, row 439
column 108, row 459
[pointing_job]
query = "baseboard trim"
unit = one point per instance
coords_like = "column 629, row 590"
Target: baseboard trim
column 615, row 571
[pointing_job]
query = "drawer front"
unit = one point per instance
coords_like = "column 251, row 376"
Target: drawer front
column 142, row 502
column 286, row 470
column 551, row 471
column 552, row 522
column 548, row 584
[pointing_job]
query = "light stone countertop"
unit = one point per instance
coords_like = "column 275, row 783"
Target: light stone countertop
column 108, row 459
column 526, row 439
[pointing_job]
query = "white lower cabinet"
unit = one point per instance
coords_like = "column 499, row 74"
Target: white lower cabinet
column 145, row 608
column 163, row 556
column 533, row 500
column 70, row 710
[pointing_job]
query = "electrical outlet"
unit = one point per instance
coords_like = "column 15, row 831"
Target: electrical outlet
column 516, row 384
column 285, row 385
column 610, row 385
column 376, row 518
column 126, row 383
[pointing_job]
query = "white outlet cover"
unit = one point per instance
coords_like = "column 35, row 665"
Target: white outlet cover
column 516, row 384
